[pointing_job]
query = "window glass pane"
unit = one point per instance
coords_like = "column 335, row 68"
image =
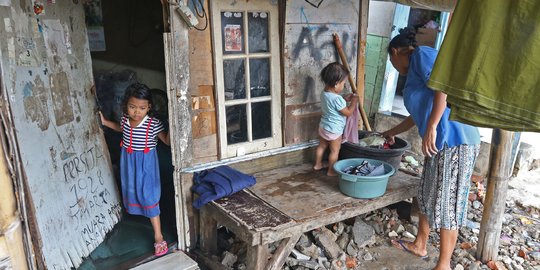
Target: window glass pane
column 232, row 32
column 258, row 32
column 236, row 124
column 259, row 77
column 234, row 73
column 261, row 120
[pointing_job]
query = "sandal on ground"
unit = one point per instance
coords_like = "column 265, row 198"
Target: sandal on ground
column 404, row 248
column 324, row 167
column 161, row 248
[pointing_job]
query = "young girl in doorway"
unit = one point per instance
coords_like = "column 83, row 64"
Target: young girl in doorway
column 334, row 112
column 139, row 167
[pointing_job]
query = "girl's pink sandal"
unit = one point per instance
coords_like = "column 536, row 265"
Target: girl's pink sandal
column 161, row 246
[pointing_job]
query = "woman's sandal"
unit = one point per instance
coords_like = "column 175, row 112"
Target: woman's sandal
column 161, row 248
column 404, row 248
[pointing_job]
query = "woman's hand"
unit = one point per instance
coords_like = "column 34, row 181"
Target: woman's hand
column 390, row 139
column 429, row 148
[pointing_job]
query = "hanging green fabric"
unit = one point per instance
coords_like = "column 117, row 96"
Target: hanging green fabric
column 489, row 64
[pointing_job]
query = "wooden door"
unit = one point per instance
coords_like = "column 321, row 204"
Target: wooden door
column 69, row 195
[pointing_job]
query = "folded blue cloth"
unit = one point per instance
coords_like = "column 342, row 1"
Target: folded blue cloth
column 216, row 183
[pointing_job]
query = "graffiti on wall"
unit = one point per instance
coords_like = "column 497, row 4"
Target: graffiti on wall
column 316, row 42
column 309, row 46
column 88, row 195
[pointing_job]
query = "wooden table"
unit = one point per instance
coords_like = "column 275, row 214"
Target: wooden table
column 284, row 204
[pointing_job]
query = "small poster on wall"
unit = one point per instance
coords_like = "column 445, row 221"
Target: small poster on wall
column 233, row 38
column 94, row 25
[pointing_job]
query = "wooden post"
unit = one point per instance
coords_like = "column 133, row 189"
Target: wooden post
column 351, row 81
column 257, row 257
column 209, row 236
column 494, row 204
column 176, row 45
column 361, row 54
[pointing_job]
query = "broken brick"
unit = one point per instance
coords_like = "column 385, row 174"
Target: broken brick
column 350, row 262
column 466, row 245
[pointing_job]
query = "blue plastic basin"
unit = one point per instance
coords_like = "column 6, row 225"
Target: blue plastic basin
column 362, row 187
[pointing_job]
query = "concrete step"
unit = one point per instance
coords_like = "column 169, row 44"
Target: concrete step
column 176, row 260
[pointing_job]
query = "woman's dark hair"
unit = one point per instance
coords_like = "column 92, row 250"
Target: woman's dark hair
column 333, row 73
column 406, row 38
column 139, row 91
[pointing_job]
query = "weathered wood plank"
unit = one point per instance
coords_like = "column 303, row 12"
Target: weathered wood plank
column 252, row 212
column 282, row 252
column 306, row 52
column 302, row 193
column 239, row 229
column 257, row 257
column 500, row 168
column 345, row 211
column 276, row 161
column 208, row 232
column 53, row 112
column 191, row 215
column 178, row 76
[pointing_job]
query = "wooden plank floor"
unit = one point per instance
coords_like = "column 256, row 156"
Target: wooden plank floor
column 303, row 194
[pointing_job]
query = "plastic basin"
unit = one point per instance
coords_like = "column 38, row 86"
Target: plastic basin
column 392, row 155
column 362, row 187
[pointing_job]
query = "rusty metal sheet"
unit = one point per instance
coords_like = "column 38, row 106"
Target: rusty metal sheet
column 308, row 48
column 47, row 77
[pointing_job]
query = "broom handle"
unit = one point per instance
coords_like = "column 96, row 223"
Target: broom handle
column 351, row 81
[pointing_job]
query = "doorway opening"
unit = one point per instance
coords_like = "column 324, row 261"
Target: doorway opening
column 126, row 46
column 428, row 25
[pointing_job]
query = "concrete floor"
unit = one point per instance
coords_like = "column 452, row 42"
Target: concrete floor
column 391, row 258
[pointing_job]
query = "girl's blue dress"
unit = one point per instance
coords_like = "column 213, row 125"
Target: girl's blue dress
column 141, row 186
column 139, row 167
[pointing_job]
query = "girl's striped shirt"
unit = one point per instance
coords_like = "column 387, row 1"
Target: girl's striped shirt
column 138, row 134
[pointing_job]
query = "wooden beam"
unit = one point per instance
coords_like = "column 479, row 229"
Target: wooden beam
column 177, row 70
column 351, row 81
column 361, row 54
column 500, row 168
column 208, row 232
column 282, row 252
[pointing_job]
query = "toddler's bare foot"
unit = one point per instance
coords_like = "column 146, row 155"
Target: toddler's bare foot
column 331, row 173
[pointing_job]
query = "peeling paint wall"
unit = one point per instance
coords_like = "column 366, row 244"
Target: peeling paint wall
column 308, row 48
column 47, row 75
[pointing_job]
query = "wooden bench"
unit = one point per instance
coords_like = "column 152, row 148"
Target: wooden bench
column 284, row 204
